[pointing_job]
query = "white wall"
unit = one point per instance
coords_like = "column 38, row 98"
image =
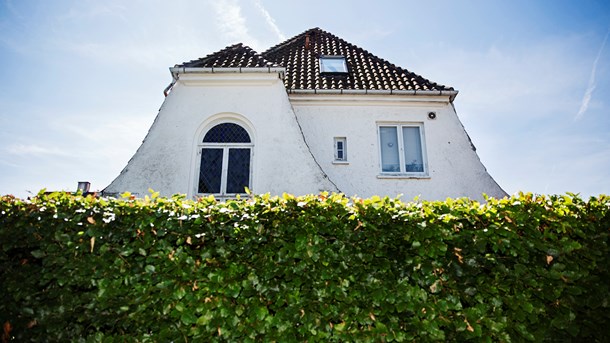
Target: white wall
column 168, row 159
column 454, row 168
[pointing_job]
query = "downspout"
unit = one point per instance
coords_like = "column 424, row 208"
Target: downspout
column 169, row 87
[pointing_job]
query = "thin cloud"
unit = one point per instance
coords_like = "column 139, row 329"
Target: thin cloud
column 232, row 23
column 35, row 150
column 142, row 53
column 88, row 12
column 9, row 164
column 270, row 21
column 584, row 105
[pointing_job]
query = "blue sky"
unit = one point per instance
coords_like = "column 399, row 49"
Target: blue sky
column 81, row 81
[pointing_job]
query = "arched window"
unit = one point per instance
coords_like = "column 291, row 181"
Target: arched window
column 226, row 153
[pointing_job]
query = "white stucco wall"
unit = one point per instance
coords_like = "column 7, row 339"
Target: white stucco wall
column 454, row 169
column 286, row 159
column 168, row 160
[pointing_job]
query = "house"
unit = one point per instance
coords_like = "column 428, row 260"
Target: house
column 314, row 113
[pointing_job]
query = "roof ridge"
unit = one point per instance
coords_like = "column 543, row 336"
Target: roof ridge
column 232, row 51
column 290, row 40
column 383, row 60
column 300, row 56
column 209, row 55
column 387, row 75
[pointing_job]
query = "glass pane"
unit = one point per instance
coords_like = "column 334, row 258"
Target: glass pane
column 238, row 174
column 227, row 133
column 389, row 149
column 210, row 171
column 340, row 149
column 414, row 161
column 333, row 65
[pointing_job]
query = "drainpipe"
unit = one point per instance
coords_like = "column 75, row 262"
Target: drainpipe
column 169, row 88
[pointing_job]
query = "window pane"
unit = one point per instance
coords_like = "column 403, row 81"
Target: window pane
column 389, row 149
column 210, row 171
column 227, row 133
column 340, row 149
column 414, row 161
column 238, row 174
column 333, row 65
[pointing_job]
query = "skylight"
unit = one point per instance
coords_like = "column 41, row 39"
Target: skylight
column 333, row 65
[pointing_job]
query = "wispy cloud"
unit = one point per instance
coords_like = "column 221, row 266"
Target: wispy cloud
column 270, row 21
column 9, row 164
column 232, row 23
column 503, row 79
column 142, row 53
column 89, row 11
column 584, row 105
column 33, row 149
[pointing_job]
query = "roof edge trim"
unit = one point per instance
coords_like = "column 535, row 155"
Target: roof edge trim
column 451, row 93
column 183, row 70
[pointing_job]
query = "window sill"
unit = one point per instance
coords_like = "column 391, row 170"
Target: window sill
column 403, row 176
column 222, row 197
column 341, row 162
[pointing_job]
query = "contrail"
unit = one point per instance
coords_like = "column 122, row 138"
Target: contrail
column 584, row 105
column 270, row 21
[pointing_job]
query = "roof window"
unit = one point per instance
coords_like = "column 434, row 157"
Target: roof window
column 333, row 65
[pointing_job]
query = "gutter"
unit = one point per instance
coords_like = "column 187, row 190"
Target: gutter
column 451, row 94
column 185, row 70
column 176, row 71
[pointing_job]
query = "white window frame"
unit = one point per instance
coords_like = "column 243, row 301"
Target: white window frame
column 401, row 150
column 223, row 195
column 343, row 141
column 225, row 166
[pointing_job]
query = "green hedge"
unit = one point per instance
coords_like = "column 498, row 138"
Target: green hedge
column 313, row 268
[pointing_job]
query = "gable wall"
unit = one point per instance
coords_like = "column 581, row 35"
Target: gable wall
column 168, row 160
column 286, row 159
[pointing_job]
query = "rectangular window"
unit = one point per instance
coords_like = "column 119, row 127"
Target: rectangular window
column 333, row 65
column 210, row 172
column 340, row 149
column 224, row 170
column 402, row 149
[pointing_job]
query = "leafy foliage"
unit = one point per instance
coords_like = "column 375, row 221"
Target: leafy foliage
column 315, row 268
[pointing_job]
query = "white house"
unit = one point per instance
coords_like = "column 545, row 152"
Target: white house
column 314, row 113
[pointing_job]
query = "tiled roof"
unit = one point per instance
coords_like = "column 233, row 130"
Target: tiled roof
column 300, row 57
column 365, row 70
column 233, row 56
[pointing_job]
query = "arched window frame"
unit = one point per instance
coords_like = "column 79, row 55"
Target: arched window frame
column 225, row 147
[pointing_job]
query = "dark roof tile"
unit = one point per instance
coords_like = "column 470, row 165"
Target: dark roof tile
column 365, row 70
column 300, row 56
column 234, row 56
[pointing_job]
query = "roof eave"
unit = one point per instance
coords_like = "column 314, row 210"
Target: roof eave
column 175, row 71
column 450, row 93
